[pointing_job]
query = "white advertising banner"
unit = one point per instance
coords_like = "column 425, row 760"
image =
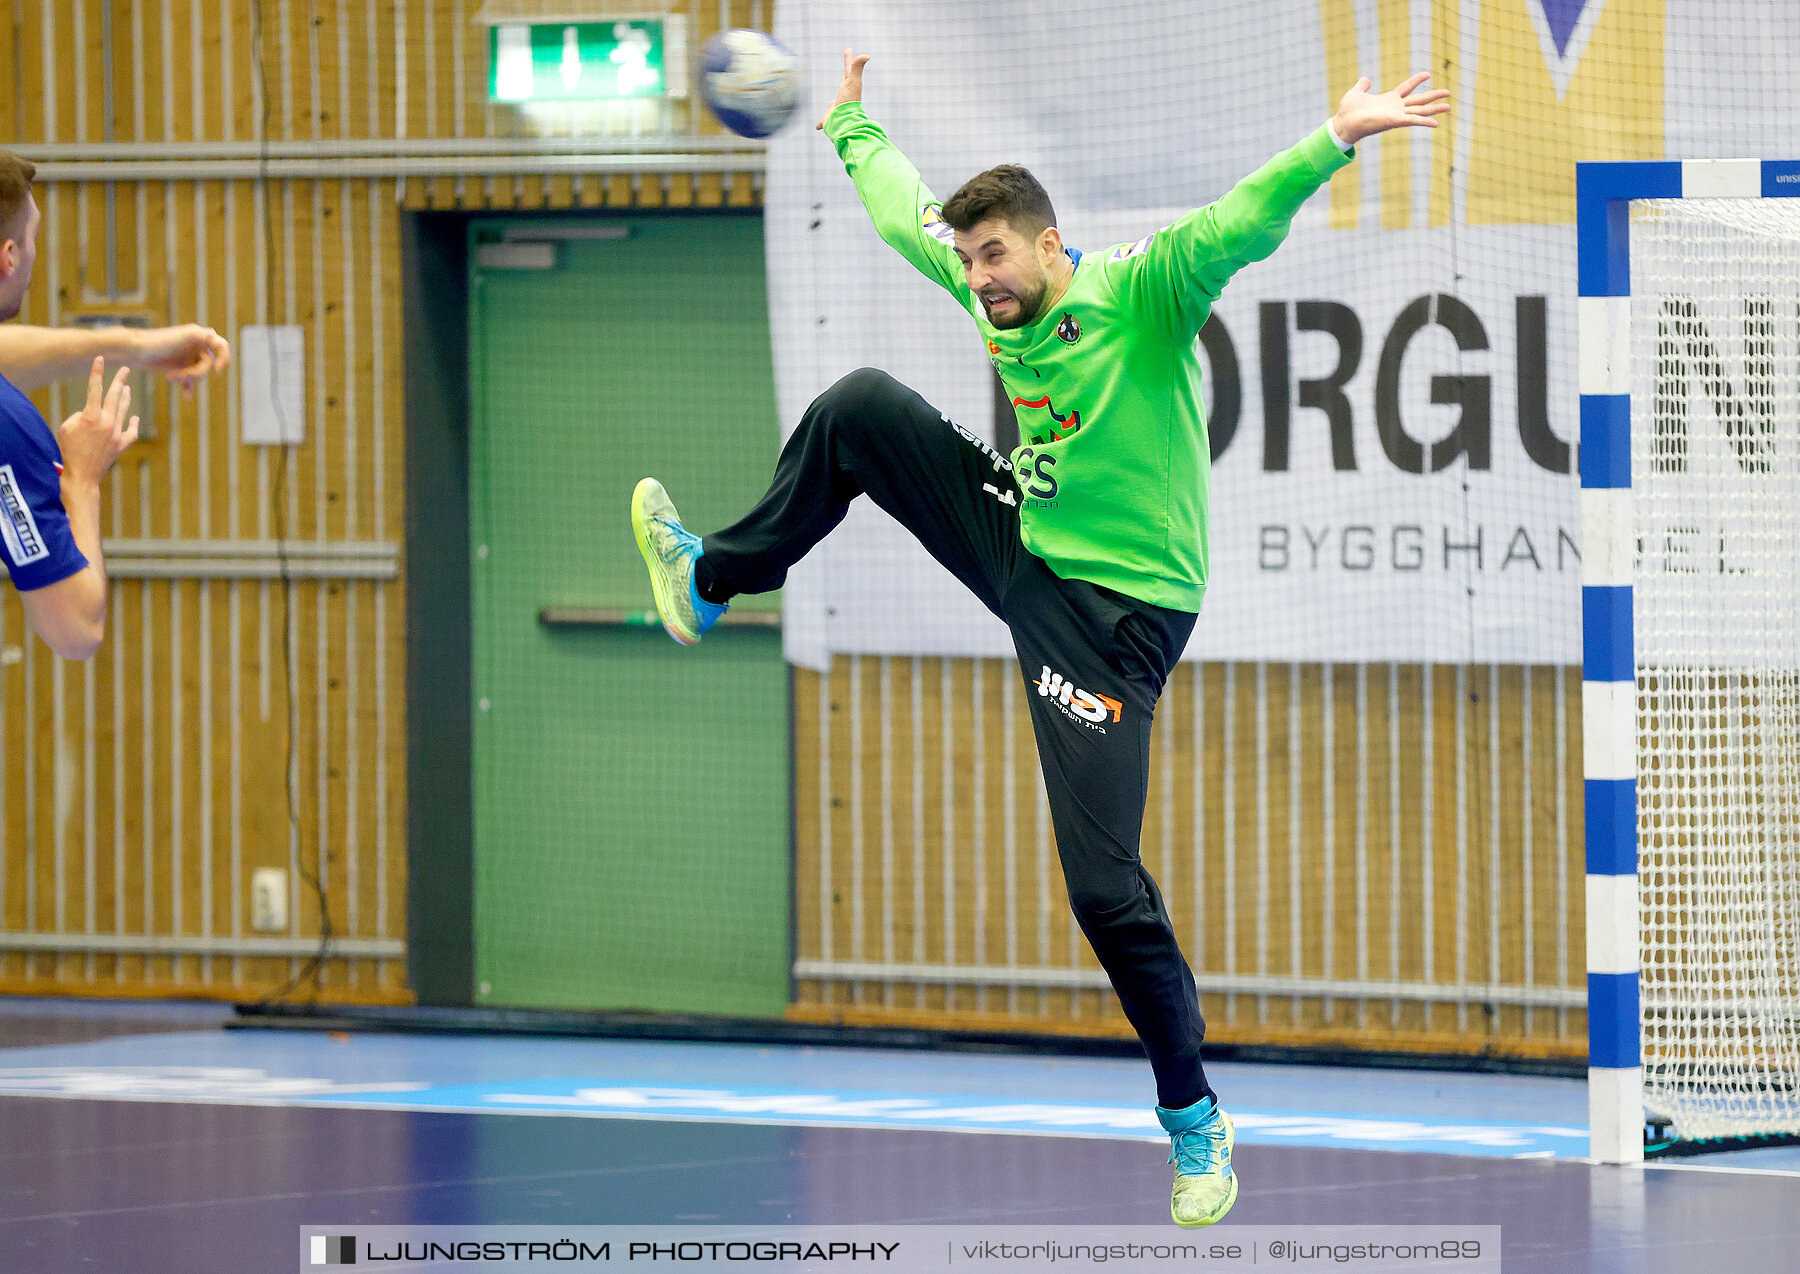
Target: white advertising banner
column 1392, row 394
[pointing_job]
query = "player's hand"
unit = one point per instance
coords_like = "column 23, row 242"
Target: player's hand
column 98, row 434
column 1363, row 114
column 851, row 89
column 184, row 354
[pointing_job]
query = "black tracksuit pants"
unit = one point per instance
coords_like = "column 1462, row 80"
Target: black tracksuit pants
column 1094, row 662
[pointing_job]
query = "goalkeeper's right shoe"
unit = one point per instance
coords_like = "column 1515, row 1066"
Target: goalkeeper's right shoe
column 670, row 552
column 1205, row 1185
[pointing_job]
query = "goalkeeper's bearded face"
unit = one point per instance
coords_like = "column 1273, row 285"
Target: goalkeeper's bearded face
column 1008, row 272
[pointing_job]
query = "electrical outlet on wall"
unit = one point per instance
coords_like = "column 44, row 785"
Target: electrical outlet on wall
column 268, row 900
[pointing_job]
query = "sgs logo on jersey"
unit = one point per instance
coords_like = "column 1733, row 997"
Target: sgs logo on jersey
column 1077, row 704
column 1032, row 469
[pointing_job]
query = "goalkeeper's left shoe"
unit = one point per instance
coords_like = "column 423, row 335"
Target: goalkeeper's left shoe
column 1205, row 1185
column 670, row 551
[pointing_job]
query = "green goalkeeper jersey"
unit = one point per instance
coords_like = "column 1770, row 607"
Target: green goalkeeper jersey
column 1113, row 466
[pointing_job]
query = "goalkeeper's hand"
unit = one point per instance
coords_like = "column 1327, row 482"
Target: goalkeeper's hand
column 1363, row 114
column 851, row 89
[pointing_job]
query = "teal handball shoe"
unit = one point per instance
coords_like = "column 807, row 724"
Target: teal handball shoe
column 1205, row 1185
column 670, row 551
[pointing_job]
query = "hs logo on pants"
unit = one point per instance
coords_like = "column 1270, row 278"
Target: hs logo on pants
column 1081, row 703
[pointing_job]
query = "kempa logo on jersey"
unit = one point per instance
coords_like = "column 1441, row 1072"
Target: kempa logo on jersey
column 18, row 527
column 931, row 219
column 1075, row 702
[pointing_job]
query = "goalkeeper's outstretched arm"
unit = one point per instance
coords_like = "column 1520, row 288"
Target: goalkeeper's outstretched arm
column 899, row 203
column 1175, row 275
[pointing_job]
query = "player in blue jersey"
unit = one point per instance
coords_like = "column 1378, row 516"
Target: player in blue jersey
column 50, row 481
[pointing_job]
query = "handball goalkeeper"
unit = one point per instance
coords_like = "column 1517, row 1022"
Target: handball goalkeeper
column 1089, row 541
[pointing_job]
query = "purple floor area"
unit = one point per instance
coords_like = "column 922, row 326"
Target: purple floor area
column 162, row 1188
column 166, row 1187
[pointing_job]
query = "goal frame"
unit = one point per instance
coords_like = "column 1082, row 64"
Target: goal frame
column 1603, row 195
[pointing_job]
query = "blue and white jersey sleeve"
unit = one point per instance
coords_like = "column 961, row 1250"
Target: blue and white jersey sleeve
column 35, row 538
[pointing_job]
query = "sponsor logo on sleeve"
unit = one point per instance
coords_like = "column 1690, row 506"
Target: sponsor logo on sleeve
column 1132, row 249
column 17, row 527
column 931, row 216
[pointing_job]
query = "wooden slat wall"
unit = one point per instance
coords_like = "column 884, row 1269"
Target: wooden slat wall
column 1459, row 866
column 141, row 789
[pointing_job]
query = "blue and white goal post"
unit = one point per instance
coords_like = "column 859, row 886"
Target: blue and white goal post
column 1690, row 707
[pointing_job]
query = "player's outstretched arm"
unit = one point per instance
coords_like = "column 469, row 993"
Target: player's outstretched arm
column 851, row 89
column 33, row 357
column 1363, row 114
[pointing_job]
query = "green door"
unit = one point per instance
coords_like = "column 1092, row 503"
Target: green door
column 631, row 796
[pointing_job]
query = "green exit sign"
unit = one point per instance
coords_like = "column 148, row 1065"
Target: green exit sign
column 575, row 61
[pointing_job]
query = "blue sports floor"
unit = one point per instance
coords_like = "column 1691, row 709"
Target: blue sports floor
column 122, row 1124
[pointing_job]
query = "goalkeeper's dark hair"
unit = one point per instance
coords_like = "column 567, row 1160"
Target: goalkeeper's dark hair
column 1008, row 192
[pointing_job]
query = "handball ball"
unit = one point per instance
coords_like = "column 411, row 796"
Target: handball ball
column 751, row 81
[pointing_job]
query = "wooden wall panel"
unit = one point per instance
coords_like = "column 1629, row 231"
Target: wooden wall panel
column 141, row 790
column 1351, row 855
column 1295, row 820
